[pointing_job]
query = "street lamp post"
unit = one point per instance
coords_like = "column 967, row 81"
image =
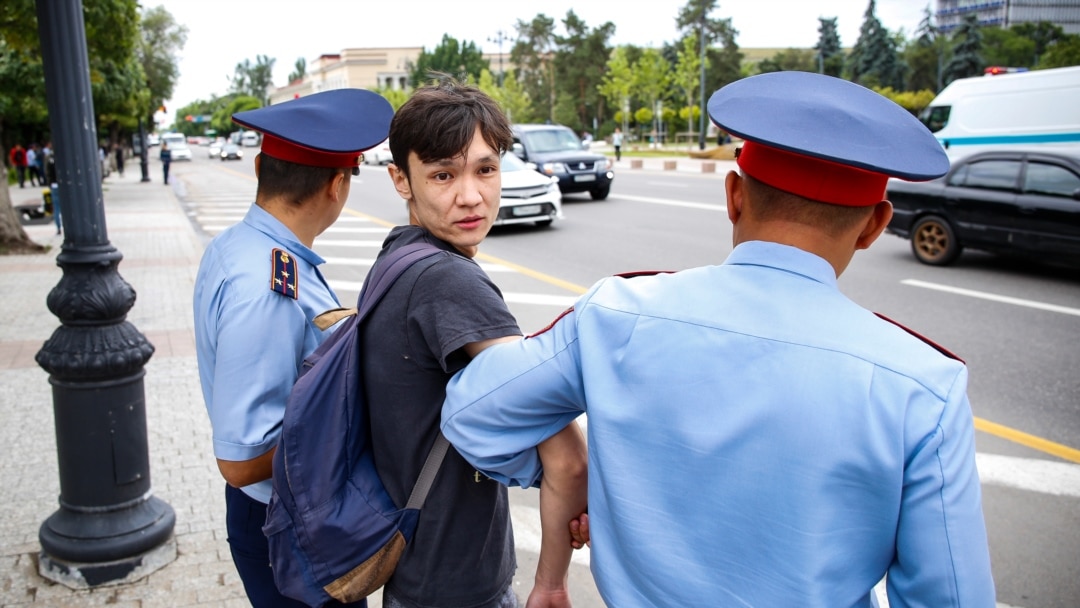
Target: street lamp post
column 701, row 109
column 499, row 39
column 109, row 527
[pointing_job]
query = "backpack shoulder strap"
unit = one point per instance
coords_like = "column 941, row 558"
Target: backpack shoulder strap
column 383, row 275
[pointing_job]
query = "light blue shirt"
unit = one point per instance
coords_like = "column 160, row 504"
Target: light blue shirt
column 250, row 340
column 755, row 439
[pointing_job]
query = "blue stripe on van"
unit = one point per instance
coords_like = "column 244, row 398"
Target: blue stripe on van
column 1048, row 138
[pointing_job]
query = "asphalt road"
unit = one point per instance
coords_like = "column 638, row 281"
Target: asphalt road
column 1016, row 325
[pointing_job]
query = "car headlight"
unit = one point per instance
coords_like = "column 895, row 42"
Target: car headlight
column 240, row 153
column 553, row 168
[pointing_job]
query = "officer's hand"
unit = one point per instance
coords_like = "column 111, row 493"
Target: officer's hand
column 579, row 531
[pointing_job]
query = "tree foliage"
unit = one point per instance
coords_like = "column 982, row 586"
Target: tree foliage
column 830, row 55
column 579, row 64
column 873, row 60
column 533, row 52
column 1063, row 53
column 967, row 57
column 790, row 60
column 161, row 39
column 924, row 56
column 253, row 80
column 299, row 70
column 460, row 60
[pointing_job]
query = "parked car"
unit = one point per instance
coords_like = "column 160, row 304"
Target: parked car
column 1009, row 202
column 231, row 151
column 379, row 155
column 556, row 151
column 527, row 195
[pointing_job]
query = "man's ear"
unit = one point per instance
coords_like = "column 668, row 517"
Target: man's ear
column 733, row 190
column 401, row 181
column 337, row 185
column 258, row 163
column 875, row 225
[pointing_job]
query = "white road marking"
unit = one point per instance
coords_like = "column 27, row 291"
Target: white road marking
column 993, row 297
column 1030, row 474
column 332, row 243
column 672, row 203
column 356, row 230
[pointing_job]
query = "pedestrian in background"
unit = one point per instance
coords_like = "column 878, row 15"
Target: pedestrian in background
column 119, row 152
column 254, row 322
column 31, row 166
column 755, row 437
column 616, row 140
column 166, row 159
column 18, row 160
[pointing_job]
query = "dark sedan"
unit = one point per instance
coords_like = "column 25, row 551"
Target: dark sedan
column 1007, row 202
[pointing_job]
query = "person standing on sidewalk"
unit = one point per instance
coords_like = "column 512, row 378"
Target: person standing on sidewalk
column 616, row 141
column 756, row 438
column 18, row 160
column 119, row 151
column 166, row 160
column 258, row 291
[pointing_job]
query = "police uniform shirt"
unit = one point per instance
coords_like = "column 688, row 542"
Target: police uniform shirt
column 755, row 438
column 251, row 339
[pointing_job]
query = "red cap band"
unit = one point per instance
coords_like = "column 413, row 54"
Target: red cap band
column 303, row 155
column 813, row 178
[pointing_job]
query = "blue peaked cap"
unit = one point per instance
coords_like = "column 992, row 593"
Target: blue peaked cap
column 829, row 119
column 327, row 129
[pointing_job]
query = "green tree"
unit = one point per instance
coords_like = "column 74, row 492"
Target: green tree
column 221, row 120
column 510, row 96
column 1043, row 33
column 1005, row 47
column 924, row 56
column 790, row 60
column 396, row 97
column 462, row 61
column 299, row 70
column 873, row 60
column 652, row 79
column 967, row 58
column 830, row 55
column 617, row 84
column 687, row 77
column 1063, row 53
column 723, row 61
column 253, row 80
column 160, row 41
column 533, row 52
column 580, row 62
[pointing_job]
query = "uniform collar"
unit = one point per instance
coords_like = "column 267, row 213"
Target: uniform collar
column 261, row 220
column 784, row 257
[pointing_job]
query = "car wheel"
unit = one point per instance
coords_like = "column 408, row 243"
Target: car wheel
column 599, row 193
column 934, row 242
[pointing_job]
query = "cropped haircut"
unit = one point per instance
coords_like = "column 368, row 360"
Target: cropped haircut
column 295, row 183
column 439, row 120
column 771, row 203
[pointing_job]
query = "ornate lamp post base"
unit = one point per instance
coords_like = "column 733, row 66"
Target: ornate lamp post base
column 83, row 575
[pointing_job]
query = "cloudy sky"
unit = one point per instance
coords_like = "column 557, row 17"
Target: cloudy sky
column 223, row 33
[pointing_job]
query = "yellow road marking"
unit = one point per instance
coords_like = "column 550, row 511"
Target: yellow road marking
column 1036, row 443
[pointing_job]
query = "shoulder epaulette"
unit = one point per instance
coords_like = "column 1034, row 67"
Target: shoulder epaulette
column 941, row 349
column 284, row 278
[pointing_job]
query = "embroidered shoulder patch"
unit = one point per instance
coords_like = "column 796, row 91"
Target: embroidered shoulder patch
column 941, row 349
column 284, row 277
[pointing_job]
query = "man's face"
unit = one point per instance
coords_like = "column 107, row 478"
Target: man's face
column 456, row 199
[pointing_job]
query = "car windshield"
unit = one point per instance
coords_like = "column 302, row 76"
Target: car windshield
column 935, row 117
column 511, row 162
column 551, row 140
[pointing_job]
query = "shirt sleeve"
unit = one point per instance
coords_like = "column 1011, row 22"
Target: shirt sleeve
column 454, row 304
column 258, row 358
column 942, row 554
column 511, row 398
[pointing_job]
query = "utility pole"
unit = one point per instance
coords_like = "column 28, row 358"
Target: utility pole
column 110, row 528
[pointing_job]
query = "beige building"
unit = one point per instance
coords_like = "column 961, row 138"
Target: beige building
column 353, row 68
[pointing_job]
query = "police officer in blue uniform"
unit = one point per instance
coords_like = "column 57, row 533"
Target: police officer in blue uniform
column 259, row 290
column 755, row 437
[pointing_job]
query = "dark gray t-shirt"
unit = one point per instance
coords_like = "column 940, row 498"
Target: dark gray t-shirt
column 463, row 552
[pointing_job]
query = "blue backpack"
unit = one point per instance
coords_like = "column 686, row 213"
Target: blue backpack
column 334, row 533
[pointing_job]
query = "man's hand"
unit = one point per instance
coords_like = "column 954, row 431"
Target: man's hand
column 549, row 598
column 579, row 531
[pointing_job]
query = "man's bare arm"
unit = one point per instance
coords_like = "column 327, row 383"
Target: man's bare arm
column 563, row 497
column 240, row 473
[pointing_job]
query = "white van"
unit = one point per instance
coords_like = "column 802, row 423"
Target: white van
column 178, row 145
column 249, row 139
column 1040, row 109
